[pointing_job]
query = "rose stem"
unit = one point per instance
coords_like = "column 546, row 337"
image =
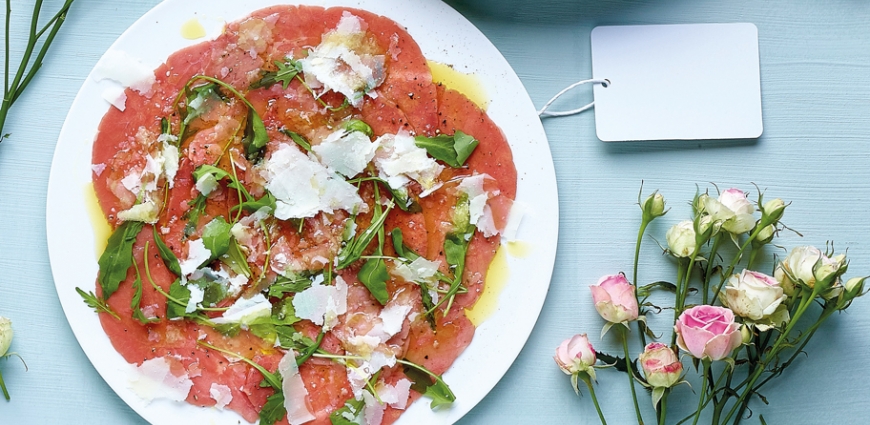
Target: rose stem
column 588, row 382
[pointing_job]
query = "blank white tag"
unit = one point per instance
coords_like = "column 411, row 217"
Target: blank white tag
column 677, row 82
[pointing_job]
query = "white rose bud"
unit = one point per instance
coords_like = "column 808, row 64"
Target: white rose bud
column 827, row 269
column 772, row 210
column 789, row 287
column 5, row 335
column 799, row 265
column 753, row 295
column 653, row 206
column 733, row 210
column 681, row 238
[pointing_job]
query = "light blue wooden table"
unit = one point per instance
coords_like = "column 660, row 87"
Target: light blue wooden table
column 815, row 152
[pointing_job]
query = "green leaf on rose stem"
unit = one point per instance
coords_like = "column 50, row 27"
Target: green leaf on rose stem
column 98, row 304
column 422, row 382
column 216, row 237
column 299, row 140
column 761, row 419
column 645, row 290
column 373, row 274
column 452, row 150
column 657, row 393
column 118, row 256
column 166, row 254
column 274, row 409
column 617, row 362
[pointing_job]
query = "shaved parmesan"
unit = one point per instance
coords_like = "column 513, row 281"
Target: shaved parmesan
column 246, row 310
column 419, row 270
column 116, row 96
column 478, row 210
column 346, row 153
column 146, row 212
column 303, row 187
column 337, row 64
column 400, row 159
column 206, row 184
column 221, row 394
column 322, row 304
column 295, row 393
column 197, row 254
column 395, row 395
column 196, row 296
column 153, row 379
column 118, row 66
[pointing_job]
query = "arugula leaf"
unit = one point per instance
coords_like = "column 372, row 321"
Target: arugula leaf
column 99, row 305
column 357, row 125
column 373, row 274
column 297, row 138
column 236, row 259
column 251, row 204
column 421, row 381
column 117, row 257
column 197, row 102
column 176, row 303
column 136, row 300
column 197, row 207
column 351, row 408
column 212, row 292
column 216, row 237
column 289, row 284
column 286, row 72
column 354, row 249
column 274, row 409
column 452, row 150
column 306, row 352
column 255, row 138
column 283, row 312
column 166, row 254
column 204, row 169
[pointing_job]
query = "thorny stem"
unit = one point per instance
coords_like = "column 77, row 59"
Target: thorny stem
column 703, row 392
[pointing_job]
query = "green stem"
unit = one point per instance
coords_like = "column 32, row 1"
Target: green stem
column 806, row 301
column 640, row 233
column 3, row 387
column 680, row 274
column 630, row 374
column 663, row 407
column 701, row 398
column 588, row 382
column 717, row 240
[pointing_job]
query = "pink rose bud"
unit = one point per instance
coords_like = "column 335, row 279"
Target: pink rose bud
column 708, row 332
column 660, row 365
column 614, row 299
column 575, row 355
column 753, row 295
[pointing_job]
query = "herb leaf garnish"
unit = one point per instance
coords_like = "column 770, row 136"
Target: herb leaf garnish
column 453, row 150
column 374, row 276
column 297, row 138
column 98, row 304
column 421, row 381
column 286, row 72
column 355, row 247
column 117, row 257
column 166, row 254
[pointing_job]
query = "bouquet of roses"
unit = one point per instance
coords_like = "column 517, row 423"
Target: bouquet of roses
column 740, row 327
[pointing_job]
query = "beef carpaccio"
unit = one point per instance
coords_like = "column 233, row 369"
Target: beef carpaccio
column 301, row 218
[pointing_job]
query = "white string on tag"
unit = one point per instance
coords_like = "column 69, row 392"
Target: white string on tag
column 544, row 113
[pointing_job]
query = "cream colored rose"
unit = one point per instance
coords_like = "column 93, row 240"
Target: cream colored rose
column 753, row 295
column 681, row 238
column 5, row 335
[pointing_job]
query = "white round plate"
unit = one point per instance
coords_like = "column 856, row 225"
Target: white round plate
column 444, row 36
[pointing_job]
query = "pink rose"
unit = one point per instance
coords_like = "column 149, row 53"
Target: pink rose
column 660, row 365
column 614, row 299
column 708, row 332
column 575, row 355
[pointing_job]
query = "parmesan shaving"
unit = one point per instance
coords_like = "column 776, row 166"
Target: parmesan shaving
column 221, row 394
column 295, row 393
column 197, row 254
column 322, row 304
column 153, row 379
